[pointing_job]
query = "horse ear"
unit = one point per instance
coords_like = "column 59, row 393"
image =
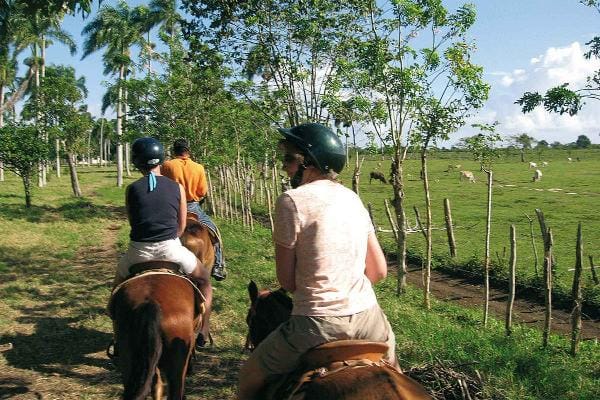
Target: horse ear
column 252, row 291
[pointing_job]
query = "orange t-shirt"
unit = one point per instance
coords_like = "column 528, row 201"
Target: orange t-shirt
column 189, row 174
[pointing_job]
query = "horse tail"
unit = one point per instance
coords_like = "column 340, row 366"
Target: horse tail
column 145, row 344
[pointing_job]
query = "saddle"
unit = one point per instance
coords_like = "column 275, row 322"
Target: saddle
column 155, row 267
column 328, row 359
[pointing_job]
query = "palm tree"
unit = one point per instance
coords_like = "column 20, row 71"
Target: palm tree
column 116, row 28
column 165, row 13
column 38, row 31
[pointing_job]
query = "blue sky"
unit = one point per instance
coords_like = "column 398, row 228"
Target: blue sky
column 523, row 45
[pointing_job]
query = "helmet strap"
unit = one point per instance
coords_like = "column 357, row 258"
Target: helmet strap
column 297, row 178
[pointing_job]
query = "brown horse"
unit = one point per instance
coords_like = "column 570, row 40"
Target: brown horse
column 331, row 377
column 156, row 317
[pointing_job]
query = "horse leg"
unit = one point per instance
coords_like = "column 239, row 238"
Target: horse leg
column 201, row 277
column 157, row 386
column 175, row 363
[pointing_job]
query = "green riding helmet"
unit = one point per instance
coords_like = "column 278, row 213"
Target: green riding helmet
column 147, row 152
column 323, row 147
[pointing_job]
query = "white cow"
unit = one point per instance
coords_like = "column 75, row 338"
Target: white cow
column 537, row 175
column 532, row 165
column 467, row 175
column 544, row 163
column 569, row 159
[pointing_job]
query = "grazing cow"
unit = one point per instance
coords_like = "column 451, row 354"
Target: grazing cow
column 453, row 167
column 569, row 159
column 467, row 175
column 377, row 176
column 537, row 175
column 532, row 165
column 544, row 163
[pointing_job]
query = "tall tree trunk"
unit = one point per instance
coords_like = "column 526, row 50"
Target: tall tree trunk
column 428, row 255
column 58, row 158
column 38, row 116
column 1, row 125
column 125, row 110
column 27, row 186
column 73, row 172
column 486, row 267
column 101, row 144
column 398, row 202
column 89, row 152
column 127, row 162
column 45, row 165
column 120, row 129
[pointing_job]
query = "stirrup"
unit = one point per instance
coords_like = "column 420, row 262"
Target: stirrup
column 111, row 351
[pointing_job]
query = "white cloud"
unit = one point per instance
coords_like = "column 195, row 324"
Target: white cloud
column 554, row 67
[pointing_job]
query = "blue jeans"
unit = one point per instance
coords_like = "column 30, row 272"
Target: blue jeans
column 194, row 207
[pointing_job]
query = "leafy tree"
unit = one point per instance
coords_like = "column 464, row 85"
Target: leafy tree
column 524, row 142
column 62, row 115
column 287, row 51
column 542, row 144
column 411, row 66
column 562, row 99
column 583, row 142
column 22, row 152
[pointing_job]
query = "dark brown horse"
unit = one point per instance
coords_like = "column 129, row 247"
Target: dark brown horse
column 156, row 318
column 335, row 378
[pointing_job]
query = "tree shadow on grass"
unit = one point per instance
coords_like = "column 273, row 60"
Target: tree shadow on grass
column 214, row 369
column 76, row 210
column 58, row 348
column 12, row 386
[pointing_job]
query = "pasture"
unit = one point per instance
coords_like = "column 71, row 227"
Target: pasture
column 57, row 260
column 568, row 193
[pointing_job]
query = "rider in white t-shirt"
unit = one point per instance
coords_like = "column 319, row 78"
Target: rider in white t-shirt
column 326, row 254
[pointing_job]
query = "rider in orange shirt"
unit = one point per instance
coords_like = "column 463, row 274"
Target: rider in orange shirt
column 192, row 177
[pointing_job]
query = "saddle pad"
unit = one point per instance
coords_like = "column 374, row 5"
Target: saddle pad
column 153, row 272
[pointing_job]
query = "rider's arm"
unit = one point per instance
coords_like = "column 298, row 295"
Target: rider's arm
column 182, row 212
column 285, row 265
column 376, row 265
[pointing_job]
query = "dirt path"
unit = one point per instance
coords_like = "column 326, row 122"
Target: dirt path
column 467, row 294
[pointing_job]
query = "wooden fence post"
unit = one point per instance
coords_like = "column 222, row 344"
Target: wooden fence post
column 511, row 279
column 370, row 209
column 593, row 269
column 270, row 208
column 576, row 295
column 535, row 253
column 392, row 222
column 548, row 285
column 547, row 236
column 449, row 229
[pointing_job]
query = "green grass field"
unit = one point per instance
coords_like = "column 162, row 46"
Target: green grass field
column 568, row 193
column 57, row 260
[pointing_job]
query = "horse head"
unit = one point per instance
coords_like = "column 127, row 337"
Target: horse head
column 268, row 310
column 199, row 240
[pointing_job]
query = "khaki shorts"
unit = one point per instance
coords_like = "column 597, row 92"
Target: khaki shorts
column 167, row 250
column 280, row 352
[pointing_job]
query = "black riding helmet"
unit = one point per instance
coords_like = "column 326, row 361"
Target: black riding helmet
column 323, row 147
column 147, row 153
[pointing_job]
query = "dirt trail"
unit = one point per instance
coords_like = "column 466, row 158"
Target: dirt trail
column 465, row 293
